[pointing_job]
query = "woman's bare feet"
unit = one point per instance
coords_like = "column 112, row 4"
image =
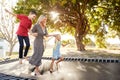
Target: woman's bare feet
column 51, row 70
column 37, row 71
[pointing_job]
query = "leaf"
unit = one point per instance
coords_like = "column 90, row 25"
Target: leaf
column 73, row 1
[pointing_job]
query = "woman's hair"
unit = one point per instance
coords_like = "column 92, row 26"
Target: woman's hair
column 41, row 18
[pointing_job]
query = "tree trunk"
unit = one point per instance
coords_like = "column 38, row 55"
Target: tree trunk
column 79, row 34
column 80, row 45
column 82, row 28
column 11, row 49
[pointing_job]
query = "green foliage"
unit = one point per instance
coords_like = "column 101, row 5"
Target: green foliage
column 87, row 41
column 25, row 6
column 73, row 1
column 78, row 12
column 100, row 42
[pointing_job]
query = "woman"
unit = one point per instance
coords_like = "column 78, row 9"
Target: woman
column 39, row 31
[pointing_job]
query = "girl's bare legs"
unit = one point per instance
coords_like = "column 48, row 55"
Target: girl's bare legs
column 59, row 60
column 51, row 66
column 37, row 71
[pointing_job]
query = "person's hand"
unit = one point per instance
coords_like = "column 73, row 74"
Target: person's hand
column 55, row 35
column 35, row 34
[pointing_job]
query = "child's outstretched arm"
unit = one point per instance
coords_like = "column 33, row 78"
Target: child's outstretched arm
column 63, row 45
column 49, row 35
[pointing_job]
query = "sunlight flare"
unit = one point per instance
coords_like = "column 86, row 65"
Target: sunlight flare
column 54, row 15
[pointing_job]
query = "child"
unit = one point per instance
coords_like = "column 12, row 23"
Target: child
column 56, row 52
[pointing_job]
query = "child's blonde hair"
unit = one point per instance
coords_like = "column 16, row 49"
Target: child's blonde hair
column 58, row 36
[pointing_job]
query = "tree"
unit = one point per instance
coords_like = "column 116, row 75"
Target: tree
column 72, row 14
column 107, row 12
column 7, row 28
column 79, row 17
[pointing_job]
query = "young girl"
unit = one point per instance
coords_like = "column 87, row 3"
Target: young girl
column 56, row 52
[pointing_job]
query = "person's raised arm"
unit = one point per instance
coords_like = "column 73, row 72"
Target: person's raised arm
column 10, row 12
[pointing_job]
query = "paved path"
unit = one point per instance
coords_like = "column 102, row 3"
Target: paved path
column 67, row 71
